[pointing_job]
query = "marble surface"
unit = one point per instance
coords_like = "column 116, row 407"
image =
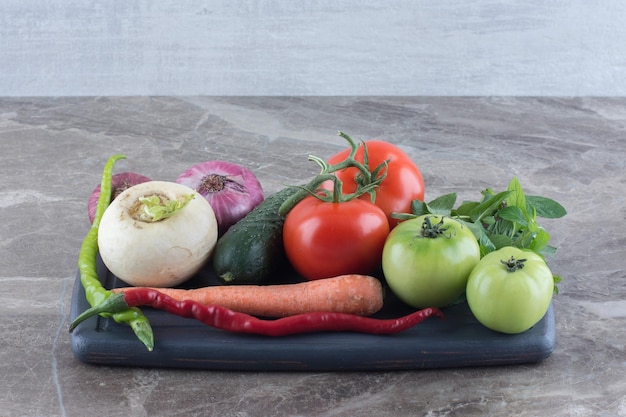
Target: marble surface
column 570, row 149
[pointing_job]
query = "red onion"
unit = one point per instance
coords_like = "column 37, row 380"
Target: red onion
column 120, row 183
column 231, row 190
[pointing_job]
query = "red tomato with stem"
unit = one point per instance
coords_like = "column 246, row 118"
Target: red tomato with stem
column 326, row 239
column 403, row 183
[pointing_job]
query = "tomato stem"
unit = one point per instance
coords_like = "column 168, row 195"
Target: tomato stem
column 367, row 180
column 432, row 231
column 513, row 264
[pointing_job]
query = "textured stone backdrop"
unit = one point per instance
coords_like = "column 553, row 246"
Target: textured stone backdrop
column 322, row 47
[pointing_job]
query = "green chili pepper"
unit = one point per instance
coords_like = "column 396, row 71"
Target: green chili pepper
column 94, row 291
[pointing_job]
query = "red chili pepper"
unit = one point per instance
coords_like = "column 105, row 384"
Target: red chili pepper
column 226, row 319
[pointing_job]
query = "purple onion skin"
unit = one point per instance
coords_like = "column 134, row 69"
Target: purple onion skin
column 231, row 190
column 120, row 182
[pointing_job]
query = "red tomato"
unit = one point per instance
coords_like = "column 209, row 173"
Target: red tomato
column 324, row 239
column 403, row 184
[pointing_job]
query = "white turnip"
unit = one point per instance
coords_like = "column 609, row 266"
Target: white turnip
column 157, row 234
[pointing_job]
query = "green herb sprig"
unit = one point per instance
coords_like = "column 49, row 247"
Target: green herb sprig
column 499, row 219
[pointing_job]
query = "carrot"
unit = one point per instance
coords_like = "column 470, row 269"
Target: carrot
column 354, row 294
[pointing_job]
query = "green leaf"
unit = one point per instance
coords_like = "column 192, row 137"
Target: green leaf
column 524, row 240
column 465, row 208
column 488, row 205
column 513, row 214
column 517, row 197
column 443, row 205
column 487, row 192
column 548, row 251
column 504, row 227
column 500, row 241
column 540, row 241
column 484, row 250
column 480, row 234
column 403, row 216
column 419, row 208
column 546, row 207
column 532, row 221
column 556, row 279
column 489, row 220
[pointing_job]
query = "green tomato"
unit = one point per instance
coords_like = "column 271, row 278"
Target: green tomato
column 427, row 260
column 510, row 290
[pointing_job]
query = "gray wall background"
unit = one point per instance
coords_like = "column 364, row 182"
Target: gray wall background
column 322, row 47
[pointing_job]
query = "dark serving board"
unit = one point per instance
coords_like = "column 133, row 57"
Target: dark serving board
column 459, row 341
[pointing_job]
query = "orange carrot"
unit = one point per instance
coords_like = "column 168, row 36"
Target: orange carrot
column 355, row 294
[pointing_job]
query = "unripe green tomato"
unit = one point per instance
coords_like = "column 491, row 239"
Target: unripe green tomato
column 510, row 290
column 429, row 269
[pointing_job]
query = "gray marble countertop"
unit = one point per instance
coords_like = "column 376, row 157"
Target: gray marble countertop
column 569, row 149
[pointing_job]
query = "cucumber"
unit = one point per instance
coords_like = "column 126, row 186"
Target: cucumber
column 252, row 249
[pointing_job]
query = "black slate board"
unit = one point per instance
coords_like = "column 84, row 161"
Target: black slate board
column 459, row 341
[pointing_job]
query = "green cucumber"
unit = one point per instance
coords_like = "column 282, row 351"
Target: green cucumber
column 252, row 249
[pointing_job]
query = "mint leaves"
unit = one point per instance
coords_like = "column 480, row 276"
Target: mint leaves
column 505, row 218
